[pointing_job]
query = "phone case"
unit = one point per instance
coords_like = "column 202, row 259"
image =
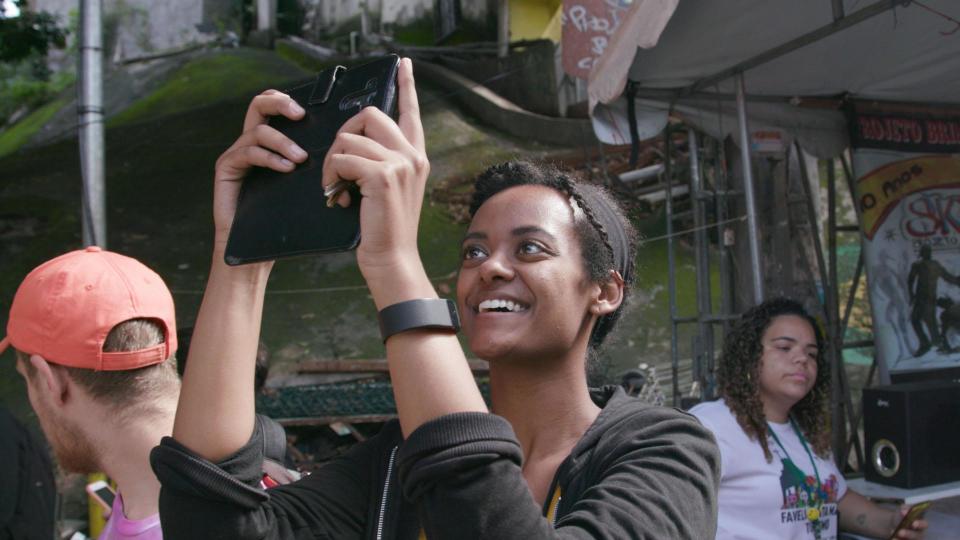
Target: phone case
column 285, row 214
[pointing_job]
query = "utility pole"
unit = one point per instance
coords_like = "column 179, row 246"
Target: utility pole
column 364, row 20
column 503, row 28
column 267, row 16
column 90, row 113
column 752, row 230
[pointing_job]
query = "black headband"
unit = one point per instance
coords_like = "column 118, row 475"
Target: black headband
column 608, row 218
column 619, row 243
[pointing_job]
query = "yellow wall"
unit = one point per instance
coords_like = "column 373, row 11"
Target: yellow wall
column 535, row 19
column 94, row 510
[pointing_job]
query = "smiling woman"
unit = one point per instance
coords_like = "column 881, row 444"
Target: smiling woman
column 533, row 258
column 545, row 267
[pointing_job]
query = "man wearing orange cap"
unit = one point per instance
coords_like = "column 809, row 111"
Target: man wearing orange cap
column 95, row 337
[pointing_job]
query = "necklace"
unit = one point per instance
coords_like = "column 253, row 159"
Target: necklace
column 813, row 513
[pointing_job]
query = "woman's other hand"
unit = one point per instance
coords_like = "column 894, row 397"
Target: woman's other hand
column 215, row 415
column 388, row 161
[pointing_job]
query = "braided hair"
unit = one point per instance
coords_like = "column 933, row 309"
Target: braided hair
column 595, row 240
column 738, row 375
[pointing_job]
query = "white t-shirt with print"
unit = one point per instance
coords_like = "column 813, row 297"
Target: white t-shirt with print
column 758, row 499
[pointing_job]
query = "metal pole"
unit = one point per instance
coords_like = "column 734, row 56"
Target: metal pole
column 838, row 418
column 364, row 20
column 837, row 6
column 727, row 237
column 832, row 236
column 90, row 113
column 841, row 391
column 503, row 28
column 704, row 365
column 822, row 267
column 854, row 438
column 828, row 277
column 752, row 230
column 671, row 268
column 851, row 296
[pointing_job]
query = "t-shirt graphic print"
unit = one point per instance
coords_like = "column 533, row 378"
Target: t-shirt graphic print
column 805, row 499
column 771, row 499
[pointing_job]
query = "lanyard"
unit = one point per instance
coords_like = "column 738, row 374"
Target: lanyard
column 803, row 441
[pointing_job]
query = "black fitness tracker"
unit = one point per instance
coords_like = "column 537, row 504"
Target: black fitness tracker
column 431, row 313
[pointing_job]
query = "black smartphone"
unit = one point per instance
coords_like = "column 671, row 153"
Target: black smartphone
column 285, row 214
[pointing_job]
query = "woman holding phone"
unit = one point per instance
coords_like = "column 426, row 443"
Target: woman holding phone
column 771, row 423
column 545, row 267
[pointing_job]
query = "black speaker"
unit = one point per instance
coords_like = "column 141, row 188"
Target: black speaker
column 912, row 434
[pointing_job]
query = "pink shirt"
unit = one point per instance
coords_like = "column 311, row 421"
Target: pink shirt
column 120, row 528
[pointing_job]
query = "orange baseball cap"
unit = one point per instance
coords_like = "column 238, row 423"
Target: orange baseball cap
column 65, row 308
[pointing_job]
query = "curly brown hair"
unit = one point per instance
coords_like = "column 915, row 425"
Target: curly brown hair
column 739, row 371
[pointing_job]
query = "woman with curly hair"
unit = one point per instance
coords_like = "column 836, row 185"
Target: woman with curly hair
column 772, row 425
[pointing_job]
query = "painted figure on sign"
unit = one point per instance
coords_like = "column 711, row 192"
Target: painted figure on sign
column 922, row 286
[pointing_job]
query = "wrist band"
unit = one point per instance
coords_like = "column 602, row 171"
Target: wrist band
column 432, row 313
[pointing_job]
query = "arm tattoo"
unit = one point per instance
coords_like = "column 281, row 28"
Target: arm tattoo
column 862, row 520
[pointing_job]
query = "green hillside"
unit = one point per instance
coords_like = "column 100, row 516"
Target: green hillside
column 160, row 155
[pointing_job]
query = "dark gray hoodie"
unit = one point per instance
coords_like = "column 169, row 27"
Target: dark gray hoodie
column 639, row 471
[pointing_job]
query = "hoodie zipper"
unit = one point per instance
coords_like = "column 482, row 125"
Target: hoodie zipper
column 553, row 506
column 386, row 492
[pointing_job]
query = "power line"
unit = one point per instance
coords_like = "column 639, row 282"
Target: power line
column 695, row 229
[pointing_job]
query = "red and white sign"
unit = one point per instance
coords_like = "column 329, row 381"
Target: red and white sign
column 587, row 28
column 770, row 141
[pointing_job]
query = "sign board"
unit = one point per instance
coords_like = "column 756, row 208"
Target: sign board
column 587, row 27
column 908, row 197
column 768, row 141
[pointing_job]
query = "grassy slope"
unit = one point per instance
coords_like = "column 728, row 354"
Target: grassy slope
column 210, row 79
column 159, row 202
column 17, row 135
column 156, row 177
column 158, row 171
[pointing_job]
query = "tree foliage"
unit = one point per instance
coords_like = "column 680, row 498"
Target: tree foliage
column 28, row 34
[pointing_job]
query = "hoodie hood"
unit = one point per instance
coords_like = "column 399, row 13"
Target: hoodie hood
column 626, row 426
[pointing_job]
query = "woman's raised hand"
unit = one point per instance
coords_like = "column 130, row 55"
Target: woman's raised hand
column 388, row 162
column 215, row 415
column 259, row 145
